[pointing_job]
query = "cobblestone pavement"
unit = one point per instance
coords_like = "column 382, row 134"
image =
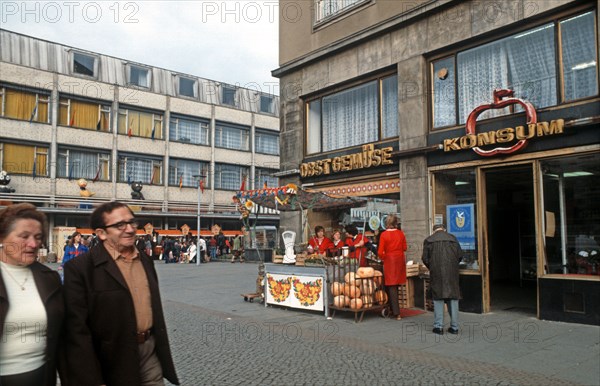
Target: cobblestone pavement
column 218, row 339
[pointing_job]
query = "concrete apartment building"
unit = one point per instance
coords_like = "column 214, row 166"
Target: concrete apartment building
column 68, row 114
column 396, row 101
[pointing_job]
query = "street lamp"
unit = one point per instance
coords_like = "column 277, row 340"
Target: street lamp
column 198, row 252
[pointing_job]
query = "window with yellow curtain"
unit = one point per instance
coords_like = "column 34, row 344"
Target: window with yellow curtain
column 140, row 124
column 25, row 105
column 22, row 159
column 84, row 115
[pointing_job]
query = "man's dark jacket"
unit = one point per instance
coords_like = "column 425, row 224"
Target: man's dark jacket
column 101, row 325
column 442, row 254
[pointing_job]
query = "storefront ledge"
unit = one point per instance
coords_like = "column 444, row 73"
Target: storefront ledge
column 572, row 276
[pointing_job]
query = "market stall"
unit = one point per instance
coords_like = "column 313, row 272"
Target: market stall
column 291, row 285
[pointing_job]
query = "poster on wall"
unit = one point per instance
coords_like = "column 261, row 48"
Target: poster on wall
column 295, row 291
column 461, row 223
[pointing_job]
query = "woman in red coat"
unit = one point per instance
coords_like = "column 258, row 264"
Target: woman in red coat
column 356, row 241
column 392, row 245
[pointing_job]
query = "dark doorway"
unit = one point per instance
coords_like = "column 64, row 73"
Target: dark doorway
column 511, row 239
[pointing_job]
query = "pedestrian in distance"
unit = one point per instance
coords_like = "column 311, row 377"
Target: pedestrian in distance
column 116, row 334
column 442, row 255
column 31, row 302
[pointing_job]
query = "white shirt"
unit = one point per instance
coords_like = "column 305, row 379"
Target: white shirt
column 23, row 342
column 192, row 251
column 202, row 244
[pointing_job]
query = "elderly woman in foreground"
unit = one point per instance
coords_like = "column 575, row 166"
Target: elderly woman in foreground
column 31, row 301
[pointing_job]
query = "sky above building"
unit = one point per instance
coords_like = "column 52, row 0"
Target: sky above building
column 235, row 42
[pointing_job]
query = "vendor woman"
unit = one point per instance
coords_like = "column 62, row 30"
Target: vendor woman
column 319, row 243
column 356, row 242
column 336, row 244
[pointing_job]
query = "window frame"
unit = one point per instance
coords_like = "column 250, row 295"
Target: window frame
column 175, row 130
column 194, row 87
column 258, row 133
column 244, row 133
column 261, row 172
column 66, row 100
column 96, row 64
column 156, row 163
column 244, row 175
column 555, row 21
column 271, row 104
column 157, row 117
column 174, row 164
column 130, row 67
column 103, row 162
column 320, row 20
column 355, row 84
column 38, row 150
column 228, row 89
column 41, row 97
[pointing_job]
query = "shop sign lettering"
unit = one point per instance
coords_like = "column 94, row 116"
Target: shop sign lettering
column 520, row 134
column 367, row 158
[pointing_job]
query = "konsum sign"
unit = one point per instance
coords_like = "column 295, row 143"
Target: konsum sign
column 503, row 138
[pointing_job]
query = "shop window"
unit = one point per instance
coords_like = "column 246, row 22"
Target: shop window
column 139, row 76
column 137, row 168
column 84, row 114
column 354, row 116
column 455, row 206
column 24, row 105
column 526, row 62
column 74, row 163
column 189, row 130
column 232, row 137
column 140, row 123
column 187, row 87
column 185, row 173
column 267, row 143
column 262, row 176
column 24, row 159
column 230, row 177
column 572, row 214
column 84, row 64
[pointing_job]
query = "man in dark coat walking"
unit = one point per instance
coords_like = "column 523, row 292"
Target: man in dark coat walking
column 442, row 255
column 116, row 332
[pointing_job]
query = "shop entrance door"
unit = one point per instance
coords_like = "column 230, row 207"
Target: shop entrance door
column 511, row 239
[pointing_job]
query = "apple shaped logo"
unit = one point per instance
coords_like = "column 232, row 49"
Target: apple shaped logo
column 502, row 98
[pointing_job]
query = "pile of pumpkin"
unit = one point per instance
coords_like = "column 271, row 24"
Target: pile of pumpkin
column 362, row 289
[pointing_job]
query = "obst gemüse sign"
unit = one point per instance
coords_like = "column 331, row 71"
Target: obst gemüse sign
column 367, row 158
column 520, row 134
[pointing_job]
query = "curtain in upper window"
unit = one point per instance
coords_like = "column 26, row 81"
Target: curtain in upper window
column 350, row 118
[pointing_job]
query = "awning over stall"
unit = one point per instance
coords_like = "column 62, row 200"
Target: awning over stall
column 292, row 198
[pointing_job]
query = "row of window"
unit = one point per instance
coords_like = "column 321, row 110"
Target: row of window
column 140, row 76
column 550, row 64
column 34, row 106
column 95, row 166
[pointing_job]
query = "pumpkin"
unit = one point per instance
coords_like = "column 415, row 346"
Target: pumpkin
column 337, row 288
column 352, row 291
column 367, row 301
column 367, row 286
column 350, row 278
column 356, row 304
column 365, row 272
column 378, row 278
column 340, row 301
column 381, row 297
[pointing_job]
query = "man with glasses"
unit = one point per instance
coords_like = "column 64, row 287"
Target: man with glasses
column 116, row 333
